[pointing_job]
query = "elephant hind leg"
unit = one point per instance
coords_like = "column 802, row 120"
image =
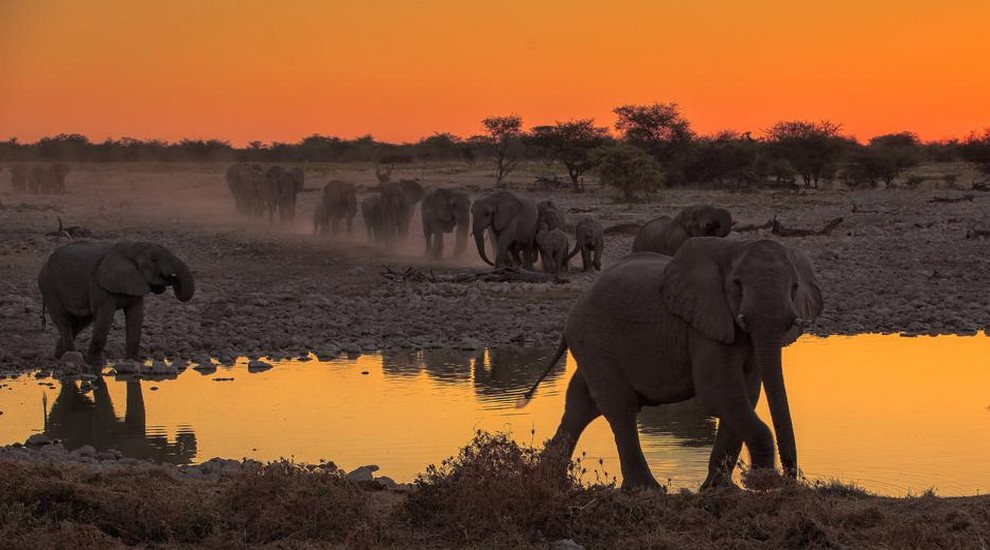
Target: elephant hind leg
column 579, row 410
column 635, row 470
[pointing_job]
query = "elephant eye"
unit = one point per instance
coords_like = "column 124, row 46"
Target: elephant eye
column 794, row 288
column 737, row 283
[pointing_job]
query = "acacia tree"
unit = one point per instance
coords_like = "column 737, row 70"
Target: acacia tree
column 502, row 136
column 812, row 148
column 571, row 143
column 628, row 169
column 659, row 129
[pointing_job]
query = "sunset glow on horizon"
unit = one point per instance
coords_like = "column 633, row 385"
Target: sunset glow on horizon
column 245, row 71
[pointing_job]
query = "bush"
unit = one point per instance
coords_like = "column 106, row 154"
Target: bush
column 628, row 169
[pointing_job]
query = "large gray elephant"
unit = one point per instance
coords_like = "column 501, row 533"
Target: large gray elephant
column 374, row 218
column 665, row 235
column 284, row 184
column 86, row 282
column 513, row 223
column 47, row 179
column 338, row 202
column 19, row 178
column 589, row 240
column 443, row 211
column 553, row 245
column 551, row 215
column 711, row 322
column 399, row 198
column 249, row 186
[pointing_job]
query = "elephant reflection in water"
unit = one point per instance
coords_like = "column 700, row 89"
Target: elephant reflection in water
column 686, row 421
column 79, row 420
column 507, row 370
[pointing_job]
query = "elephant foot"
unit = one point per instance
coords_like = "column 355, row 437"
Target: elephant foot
column 633, row 485
column 764, row 479
column 719, row 481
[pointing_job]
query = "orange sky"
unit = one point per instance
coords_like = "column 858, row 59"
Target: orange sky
column 404, row 69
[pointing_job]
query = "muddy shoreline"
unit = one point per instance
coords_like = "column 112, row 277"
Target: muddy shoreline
column 896, row 263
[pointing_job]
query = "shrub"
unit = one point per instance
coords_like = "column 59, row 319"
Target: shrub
column 628, row 169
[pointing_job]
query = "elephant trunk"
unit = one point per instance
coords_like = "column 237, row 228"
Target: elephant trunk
column 767, row 354
column 479, row 240
column 461, row 242
column 182, row 283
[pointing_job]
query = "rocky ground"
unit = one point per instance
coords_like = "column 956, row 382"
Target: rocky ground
column 899, row 261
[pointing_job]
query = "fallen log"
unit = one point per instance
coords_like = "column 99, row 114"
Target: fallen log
column 496, row 275
column 781, row 231
column 965, row 198
column 754, row 226
column 71, row 232
column 624, row 228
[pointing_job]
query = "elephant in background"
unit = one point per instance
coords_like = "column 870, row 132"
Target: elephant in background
column 374, row 218
column 550, row 215
column 553, row 246
column 443, row 211
column 85, row 282
column 589, row 240
column 47, row 180
column 711, row 322
column 338, row 202
column 399, row 198
column 248, row 185
column 78, row 420
column 283, row 186
column 513, row 223
column 19, row 178
column 664, row 235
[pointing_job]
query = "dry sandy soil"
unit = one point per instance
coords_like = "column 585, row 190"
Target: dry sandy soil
column 898, row 262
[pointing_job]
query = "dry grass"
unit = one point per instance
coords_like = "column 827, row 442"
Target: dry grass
column 494, row 494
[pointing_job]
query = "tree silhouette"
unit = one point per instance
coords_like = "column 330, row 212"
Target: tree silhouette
column 502, row 136
column 571, row 143
column 812, row 148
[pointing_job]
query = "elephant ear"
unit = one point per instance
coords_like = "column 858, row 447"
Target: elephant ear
column 118, row 273
column 507, row 208
column 693, row 287
column 808, row 302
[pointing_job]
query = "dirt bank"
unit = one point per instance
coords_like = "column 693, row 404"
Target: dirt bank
column 897, row 262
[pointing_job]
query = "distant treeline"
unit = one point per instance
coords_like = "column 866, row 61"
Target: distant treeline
column 650, row 146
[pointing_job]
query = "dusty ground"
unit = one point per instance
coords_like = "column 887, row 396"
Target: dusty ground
column 899, row 263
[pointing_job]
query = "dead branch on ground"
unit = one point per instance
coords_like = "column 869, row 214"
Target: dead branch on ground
column 968, row 197
column 496, row 275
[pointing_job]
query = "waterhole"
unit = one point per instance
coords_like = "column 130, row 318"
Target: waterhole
column 894, row 415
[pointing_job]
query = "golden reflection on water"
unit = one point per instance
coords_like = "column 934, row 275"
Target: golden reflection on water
column 890, row 413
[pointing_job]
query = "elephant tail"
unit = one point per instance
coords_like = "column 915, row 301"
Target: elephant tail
column 526, row 397
column 577, row 248
column 44, row 319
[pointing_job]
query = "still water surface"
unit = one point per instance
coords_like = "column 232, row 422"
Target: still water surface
column 892, row 414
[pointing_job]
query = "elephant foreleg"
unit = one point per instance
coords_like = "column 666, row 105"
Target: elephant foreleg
column 101, row 328
column 728, row 444
column 133, row 319
column 635, row 470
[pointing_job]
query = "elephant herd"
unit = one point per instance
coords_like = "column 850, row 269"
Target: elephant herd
column 259, row 193
column 40, row 179
column 688, row 313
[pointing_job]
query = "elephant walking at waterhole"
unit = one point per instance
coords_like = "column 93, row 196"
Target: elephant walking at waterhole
column 709, row 322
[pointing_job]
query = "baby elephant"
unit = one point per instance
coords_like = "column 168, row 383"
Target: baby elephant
column 86, row 282
column 589, row 240
column 553, row 250
column 664, row 235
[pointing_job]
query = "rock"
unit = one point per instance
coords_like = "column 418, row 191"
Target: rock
column 72, row 362
column 161, row 367
column 257, row 365
column 179, row 364
column 39, row 440
column 565, row 544
column 363, row 473
column 127, row 367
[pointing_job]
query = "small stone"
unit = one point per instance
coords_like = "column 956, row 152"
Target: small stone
column 565, row 544
column 257, row 365
column 127, row 367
